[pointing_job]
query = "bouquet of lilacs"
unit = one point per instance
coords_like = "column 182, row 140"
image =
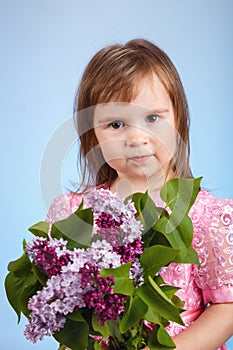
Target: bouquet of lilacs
column 94, row 277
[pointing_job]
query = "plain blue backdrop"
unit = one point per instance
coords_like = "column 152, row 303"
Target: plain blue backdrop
column 45, row 46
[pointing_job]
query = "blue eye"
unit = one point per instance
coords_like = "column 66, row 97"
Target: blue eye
column 152, row 118
column 117, row 124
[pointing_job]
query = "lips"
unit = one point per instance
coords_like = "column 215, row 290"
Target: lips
column 140, row 159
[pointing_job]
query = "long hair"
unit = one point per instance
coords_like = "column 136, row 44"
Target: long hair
column 114, row 74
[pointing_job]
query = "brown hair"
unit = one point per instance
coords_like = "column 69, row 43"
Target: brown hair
column 112, row 75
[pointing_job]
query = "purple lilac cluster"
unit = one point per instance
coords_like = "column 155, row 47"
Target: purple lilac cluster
column 129, row 251
column 48, row 256
column 76, row 286
column 107, row 304
column 116, row 223
column 120, row 225
column 74, row 281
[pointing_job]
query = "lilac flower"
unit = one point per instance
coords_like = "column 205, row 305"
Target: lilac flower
column 48, row 255
column 107, row 304
column 115, row 220
column 135, row 273
column 44, row 320
column 74, row 280
column 103, row 254
column 105, row 220
column 76, row 284
column 130, row 251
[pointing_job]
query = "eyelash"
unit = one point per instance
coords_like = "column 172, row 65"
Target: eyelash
column 111, row 125
column 152, row 116
column 120, row 124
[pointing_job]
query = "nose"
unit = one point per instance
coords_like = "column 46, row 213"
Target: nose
column 136, row 136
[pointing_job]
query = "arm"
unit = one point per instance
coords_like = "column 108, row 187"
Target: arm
column 209, row 331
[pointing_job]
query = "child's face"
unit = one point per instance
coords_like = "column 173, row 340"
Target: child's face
column 138, row 139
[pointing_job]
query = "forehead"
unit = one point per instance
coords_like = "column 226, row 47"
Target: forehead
column 151, row 93
column 150, row 96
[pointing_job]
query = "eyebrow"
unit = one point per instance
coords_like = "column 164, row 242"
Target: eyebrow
column 109, row 118
column 158, row 110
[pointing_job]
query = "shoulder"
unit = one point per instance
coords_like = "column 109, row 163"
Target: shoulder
column 207, row 206
column 213, row 237
column 66, row 204
column 63, row 206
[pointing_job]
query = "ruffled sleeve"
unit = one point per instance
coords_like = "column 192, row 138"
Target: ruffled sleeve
column 63, row 206
column 213, row 240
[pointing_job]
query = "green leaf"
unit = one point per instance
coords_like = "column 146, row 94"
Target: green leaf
column 123, row 284
column 76, row 316
column 153, row 237
column 80, row 208
column 180, row 193
column 183, row 231
column 152, row 316
column 155, row 257
column 20, row 284
column 62, row 347
column 164, row 338
column 159, row 339
column 74, row 335
column 103, row 330
column 169, row 290
column 21, row 266
column 39, row 275
column 113, row 326
column 191, row 257
column 40, row 229
column 179, row 237
column 154, row 297
column 77, row 228
column 135, row 311
column 146, row 208
column 15, row 288
column 170, row 293
column 97, row 346
column 31, row 286
column 178, row 302
column 110, row 328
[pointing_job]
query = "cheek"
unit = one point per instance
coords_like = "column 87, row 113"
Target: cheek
column 112, row 150
column 166, row 141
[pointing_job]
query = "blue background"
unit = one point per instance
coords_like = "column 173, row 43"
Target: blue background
column 45, row 46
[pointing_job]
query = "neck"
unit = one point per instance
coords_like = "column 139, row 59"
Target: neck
column 126, row 186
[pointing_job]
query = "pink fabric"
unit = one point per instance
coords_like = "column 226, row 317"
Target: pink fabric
column 213, row 240
column 217, row 296
column 191, row 315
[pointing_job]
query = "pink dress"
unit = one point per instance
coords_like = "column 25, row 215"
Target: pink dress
column 213, row 240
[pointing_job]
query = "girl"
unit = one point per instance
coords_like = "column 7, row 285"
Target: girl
column 133, row 125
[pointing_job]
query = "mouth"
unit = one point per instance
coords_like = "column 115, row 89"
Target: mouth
column 140, row 159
